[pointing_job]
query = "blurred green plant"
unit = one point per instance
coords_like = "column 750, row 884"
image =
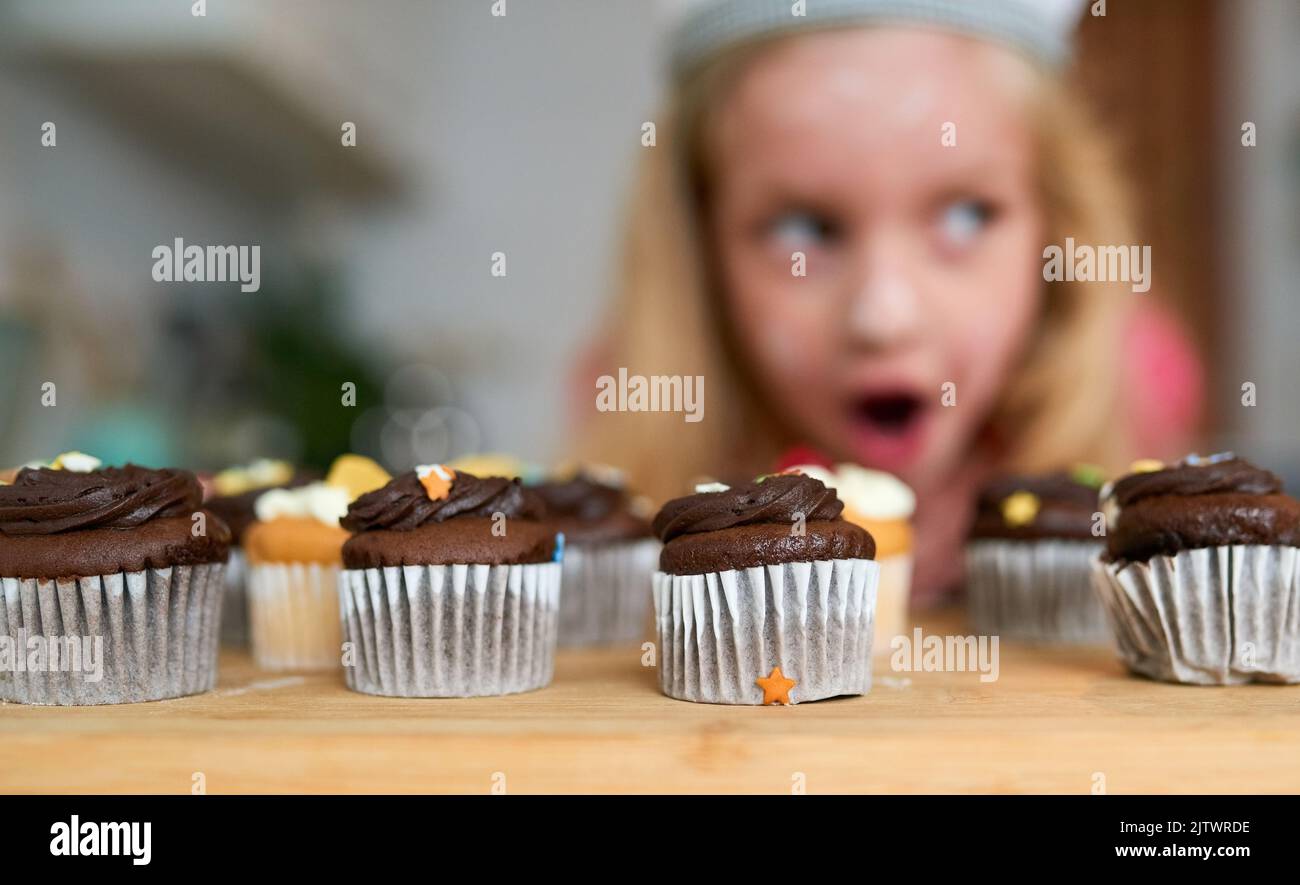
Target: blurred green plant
column 280, row 355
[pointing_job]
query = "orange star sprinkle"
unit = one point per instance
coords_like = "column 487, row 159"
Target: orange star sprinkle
column 776, row 687
column 436, row 480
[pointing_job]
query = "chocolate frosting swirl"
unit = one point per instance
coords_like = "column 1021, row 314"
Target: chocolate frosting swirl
column 43, row 501
column 1058, row 488
column 582, row 498
column 403, row 504
column 775, row 499
column 1224, row 477
column 1065, row 511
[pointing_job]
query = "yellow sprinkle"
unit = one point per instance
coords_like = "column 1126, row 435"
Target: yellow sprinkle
column 1146, row 465
column 1020, row 508
column 76, row 462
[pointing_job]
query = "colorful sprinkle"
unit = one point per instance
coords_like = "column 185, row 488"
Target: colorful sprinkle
column 76, row 462
column 436, row 480
column 706, row 488
column 559, row 548
column 1020, row 508
column 1088, row 475
column 1195, row 460
column 776, row 687
column 1146, row 465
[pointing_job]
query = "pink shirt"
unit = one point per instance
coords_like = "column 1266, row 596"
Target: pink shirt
column 1166, row 393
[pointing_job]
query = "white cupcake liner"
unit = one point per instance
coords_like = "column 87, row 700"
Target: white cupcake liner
column 719, row 632
column 607, row 592
column 1213, row 616
column 156, row 630
column 234, row 603
column 293, row 616
column 450, row 630
column 1035, row 591
column 892, row 597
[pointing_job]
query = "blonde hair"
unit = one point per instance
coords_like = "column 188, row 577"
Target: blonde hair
column 1062, row 401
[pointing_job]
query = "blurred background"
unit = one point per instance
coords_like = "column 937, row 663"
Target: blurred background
column 476, row 135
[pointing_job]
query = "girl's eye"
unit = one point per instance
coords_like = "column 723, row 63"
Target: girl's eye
column 801, row 230
column 963, row 220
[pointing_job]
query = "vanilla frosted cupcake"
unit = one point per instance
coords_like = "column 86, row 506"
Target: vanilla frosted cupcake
column 1201, row 574
column 119, row 569
column 883, row 505
column 233, row 494
column 295, row 553
column 609, row 556
column 1029, row 558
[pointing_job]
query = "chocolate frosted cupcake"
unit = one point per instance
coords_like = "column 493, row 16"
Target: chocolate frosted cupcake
column 609, row 558
column 1201, row 575
column 764, row 594
column 112, row 584
column 234, row 492
column 1029, row 559
column 451, row 587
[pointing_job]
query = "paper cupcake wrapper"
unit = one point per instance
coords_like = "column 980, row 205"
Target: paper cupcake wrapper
column 1036, row 591
column 293, row 616
column 443, row 631
column 720, row 632
column 607, row 592
column 234, row 604
column 1214, row 616
column 155, row 630
column 892, row 597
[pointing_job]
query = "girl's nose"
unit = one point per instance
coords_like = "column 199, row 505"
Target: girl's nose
column 885, row 305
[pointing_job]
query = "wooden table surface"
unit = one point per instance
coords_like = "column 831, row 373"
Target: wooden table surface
column 1055, row 721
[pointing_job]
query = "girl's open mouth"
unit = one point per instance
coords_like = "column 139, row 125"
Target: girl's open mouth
column 889, row 428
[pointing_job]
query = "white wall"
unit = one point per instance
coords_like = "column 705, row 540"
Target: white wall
column 513, row 134
column 1261, row 84
column 528, row 126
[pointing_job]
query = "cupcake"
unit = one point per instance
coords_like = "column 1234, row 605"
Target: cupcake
column 1029, row 559
column 295, row 552
column 112, row 581
column 609, row 557
column 233, row 492
column 883, row 505
column 451, row 587
column 1201, row 574
column 764, row 594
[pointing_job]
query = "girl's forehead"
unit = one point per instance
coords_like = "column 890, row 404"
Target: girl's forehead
column 823, row 105
column 880, row 78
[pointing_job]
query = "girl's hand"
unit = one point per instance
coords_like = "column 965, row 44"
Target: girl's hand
column 943, row 517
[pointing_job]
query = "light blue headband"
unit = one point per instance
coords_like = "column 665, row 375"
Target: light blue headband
column 1040, row 28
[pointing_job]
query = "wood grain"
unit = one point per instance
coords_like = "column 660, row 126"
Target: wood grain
column 1053, row 722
